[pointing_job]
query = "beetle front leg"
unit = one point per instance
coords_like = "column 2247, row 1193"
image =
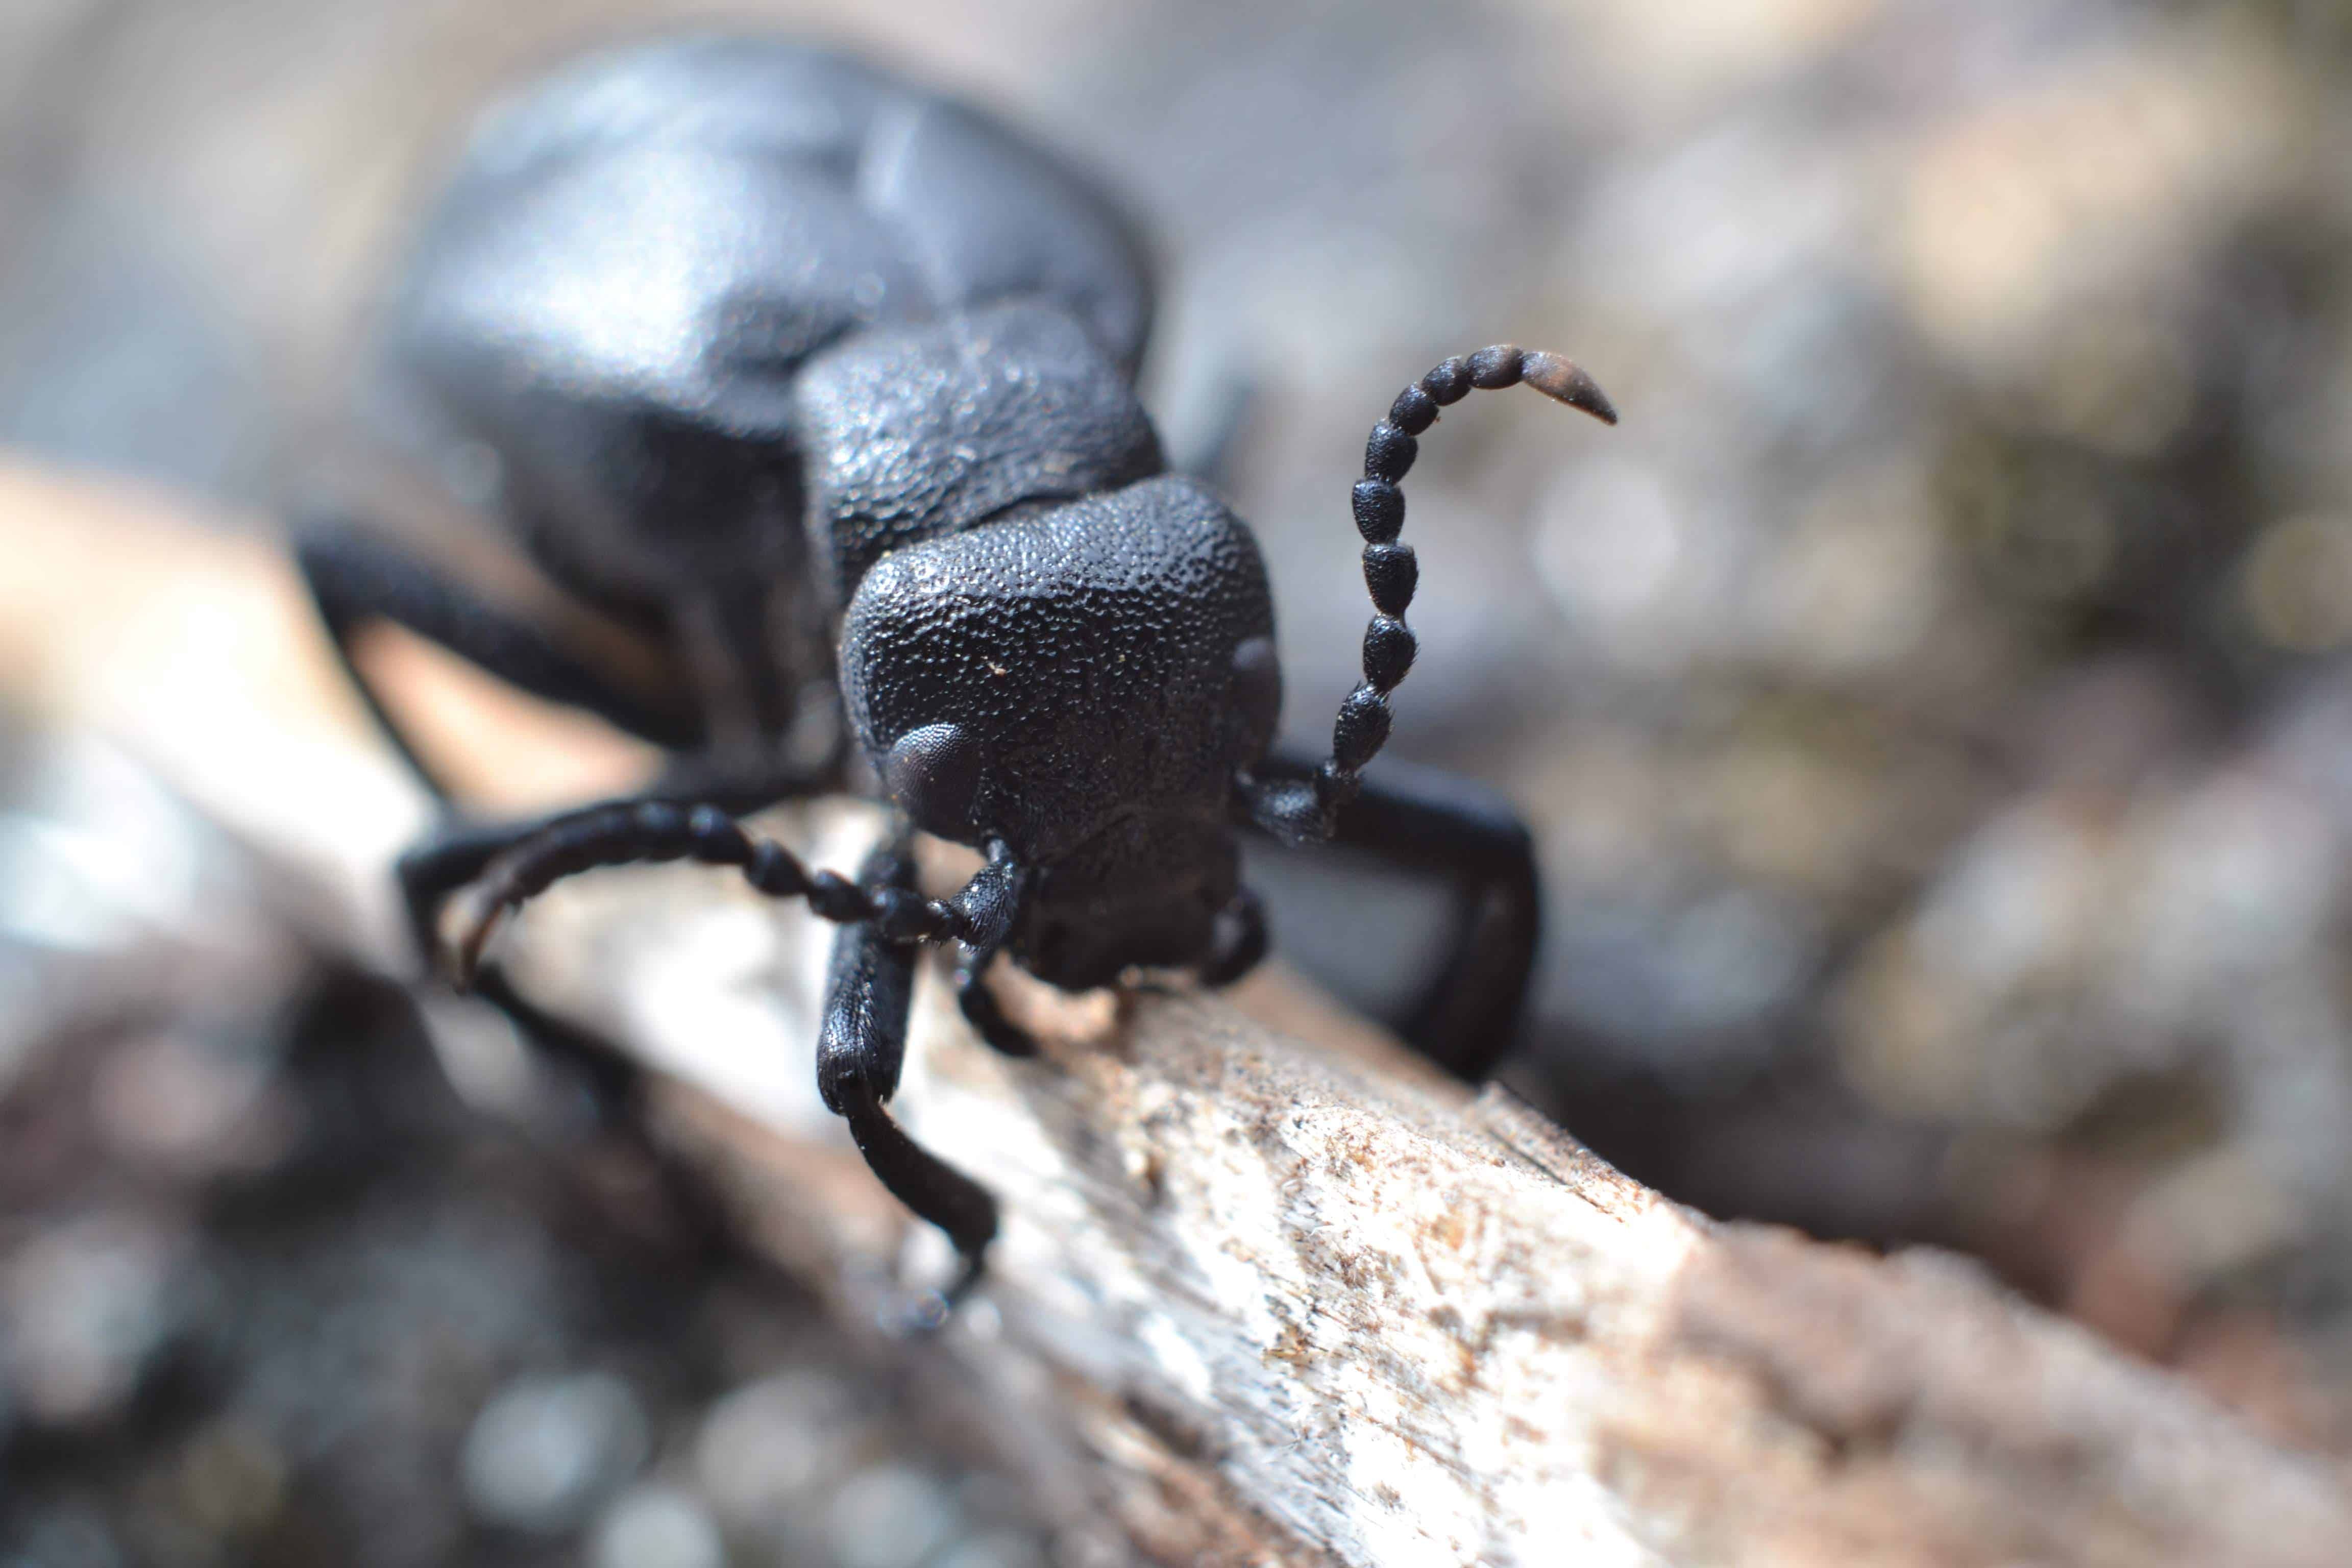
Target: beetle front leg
column 459, row 852
column 992, row 903
column 982, row 1011
column 861, row 1049
column 1435, row 824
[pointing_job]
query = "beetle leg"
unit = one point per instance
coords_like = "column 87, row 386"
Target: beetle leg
column 355, row 578
column 339, row 589
column 992, row 903
column 980, row 1008
column 1240, row 947
column 451, row 857
column 861, row 1048
column 1437, row 824
column 458, row 852
column 628, row 833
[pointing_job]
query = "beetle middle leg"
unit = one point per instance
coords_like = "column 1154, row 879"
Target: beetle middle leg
column 637, row 832
column 355, row 580
column 460, row 851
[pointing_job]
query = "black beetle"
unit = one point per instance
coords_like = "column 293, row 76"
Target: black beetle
column 787, row 371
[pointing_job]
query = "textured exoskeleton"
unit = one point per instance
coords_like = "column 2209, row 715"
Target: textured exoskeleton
column 790, row 391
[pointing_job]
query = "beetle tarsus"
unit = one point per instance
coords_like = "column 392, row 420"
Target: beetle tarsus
column 980, row 1008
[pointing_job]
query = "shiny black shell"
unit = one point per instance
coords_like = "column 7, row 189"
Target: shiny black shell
column 635, row 257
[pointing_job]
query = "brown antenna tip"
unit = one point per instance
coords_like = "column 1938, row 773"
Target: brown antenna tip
column 1560, row 378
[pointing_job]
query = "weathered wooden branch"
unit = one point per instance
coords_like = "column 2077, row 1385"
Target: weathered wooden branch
column 1268, row 1291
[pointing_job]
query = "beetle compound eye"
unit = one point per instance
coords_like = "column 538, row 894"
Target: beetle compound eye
column 934, row 773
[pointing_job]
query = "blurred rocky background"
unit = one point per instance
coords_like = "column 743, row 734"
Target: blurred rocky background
column 1933, row 702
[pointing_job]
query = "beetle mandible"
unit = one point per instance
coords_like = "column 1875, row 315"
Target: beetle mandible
column 791, row 375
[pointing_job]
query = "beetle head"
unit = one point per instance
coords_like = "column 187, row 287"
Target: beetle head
column 1083, row 685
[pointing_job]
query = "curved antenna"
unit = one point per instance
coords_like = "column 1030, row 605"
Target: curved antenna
column 1302, row 811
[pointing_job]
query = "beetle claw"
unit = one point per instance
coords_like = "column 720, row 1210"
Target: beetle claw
column 476, row 926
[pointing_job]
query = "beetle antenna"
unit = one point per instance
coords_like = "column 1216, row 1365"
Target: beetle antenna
column 1295, row 811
